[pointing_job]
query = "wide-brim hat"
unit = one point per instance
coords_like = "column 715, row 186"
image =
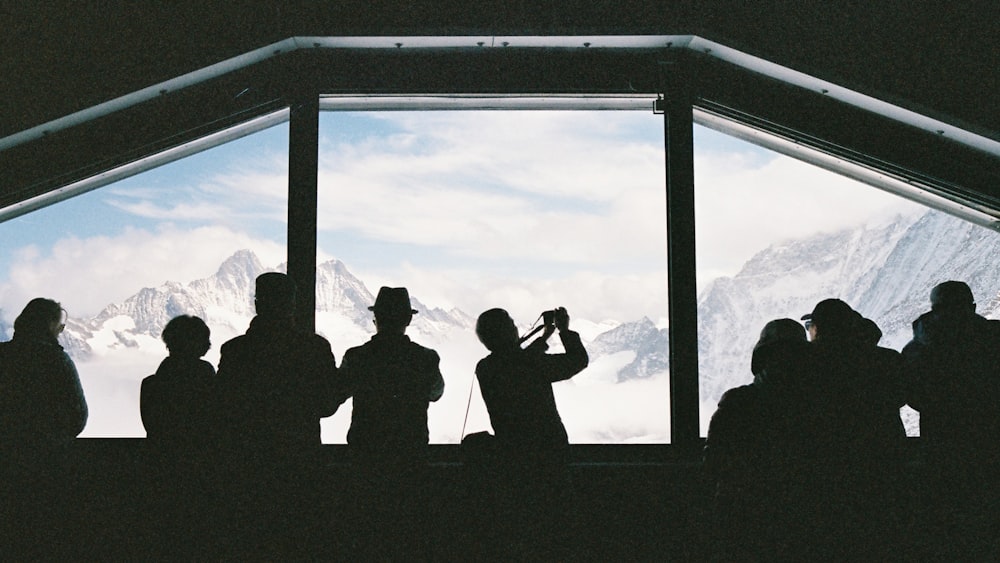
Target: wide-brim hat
column 393, row 301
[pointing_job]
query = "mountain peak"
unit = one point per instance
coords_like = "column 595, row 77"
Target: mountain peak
column 243, row 263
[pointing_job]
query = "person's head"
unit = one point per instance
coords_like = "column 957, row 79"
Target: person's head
column 953, row 297
column 392, row 309
column 187, row 336
column 275, row 295
column 831, row 318
column 42, row 318
column 774, row 333
column 496, row 330
column 870, row 331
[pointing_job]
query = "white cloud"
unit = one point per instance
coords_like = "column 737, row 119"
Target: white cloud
column 230, row 199
column 87, row 274
column 178, row 212
column 592, row 295
column 536, row 186
column 635, row 411
column 573, row 188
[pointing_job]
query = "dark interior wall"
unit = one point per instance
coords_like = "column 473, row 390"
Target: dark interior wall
column 934, row 60
column 939, row 60
column 115, row 499
column 931, row 57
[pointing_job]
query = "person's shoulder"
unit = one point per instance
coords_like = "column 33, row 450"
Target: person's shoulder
column 887, row 354
column 151, row 384
column 738, row 396
column 60, row 356
column 234, row 343
column 205, row 366
column 317, row 341
column 358, row 350
column 318, row 338
column 485, row 363
column 990, row 326
column 422, row 350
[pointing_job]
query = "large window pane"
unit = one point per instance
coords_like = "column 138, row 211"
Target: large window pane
column 185, row 238
column 515, row 209
column 776, row 235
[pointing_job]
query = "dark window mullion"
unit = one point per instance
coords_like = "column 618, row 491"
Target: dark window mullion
column 303, row 164
column 681, row 273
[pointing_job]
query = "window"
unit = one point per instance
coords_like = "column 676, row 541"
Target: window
column 185, row 238
column 524, row 210
column 776, row 235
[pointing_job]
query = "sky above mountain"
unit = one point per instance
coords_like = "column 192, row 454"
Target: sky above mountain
column 473, row 209
column 470, row 210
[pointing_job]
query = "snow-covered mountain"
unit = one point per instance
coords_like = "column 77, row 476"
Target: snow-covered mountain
column 885, row 272
column 225, row 300
column 648, row 343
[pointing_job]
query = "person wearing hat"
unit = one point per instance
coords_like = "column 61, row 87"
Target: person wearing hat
column 393, row 381
column 836, row 317
column 952, row 371
column 278, row 380
column 858, row 427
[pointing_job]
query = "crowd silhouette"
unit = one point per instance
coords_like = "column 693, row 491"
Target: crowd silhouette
column 806, row 462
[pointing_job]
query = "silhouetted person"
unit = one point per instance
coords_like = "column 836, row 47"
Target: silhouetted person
column 872, row 333
column 393, row 381
column 277, row 382
column 178, row 403
column 854, row 372
column 180, row 412
column 42, row 409
column 862, row 433
column 42, row 406
column 952, row 368
column 516, row 385
column 278, row 379
column 953, row 375
column 760, row 454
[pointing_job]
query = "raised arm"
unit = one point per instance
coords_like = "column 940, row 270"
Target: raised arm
column 559, row 367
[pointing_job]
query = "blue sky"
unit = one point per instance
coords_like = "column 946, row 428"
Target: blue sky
column 468, row 208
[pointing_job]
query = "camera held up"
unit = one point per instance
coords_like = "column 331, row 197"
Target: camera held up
column 549, row 318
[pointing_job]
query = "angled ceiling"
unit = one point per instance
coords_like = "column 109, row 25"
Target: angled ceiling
column 936, row 62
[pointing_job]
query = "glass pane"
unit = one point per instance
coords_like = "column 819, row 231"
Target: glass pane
column 776, row 236
column 185, row 238
column 521, row 210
